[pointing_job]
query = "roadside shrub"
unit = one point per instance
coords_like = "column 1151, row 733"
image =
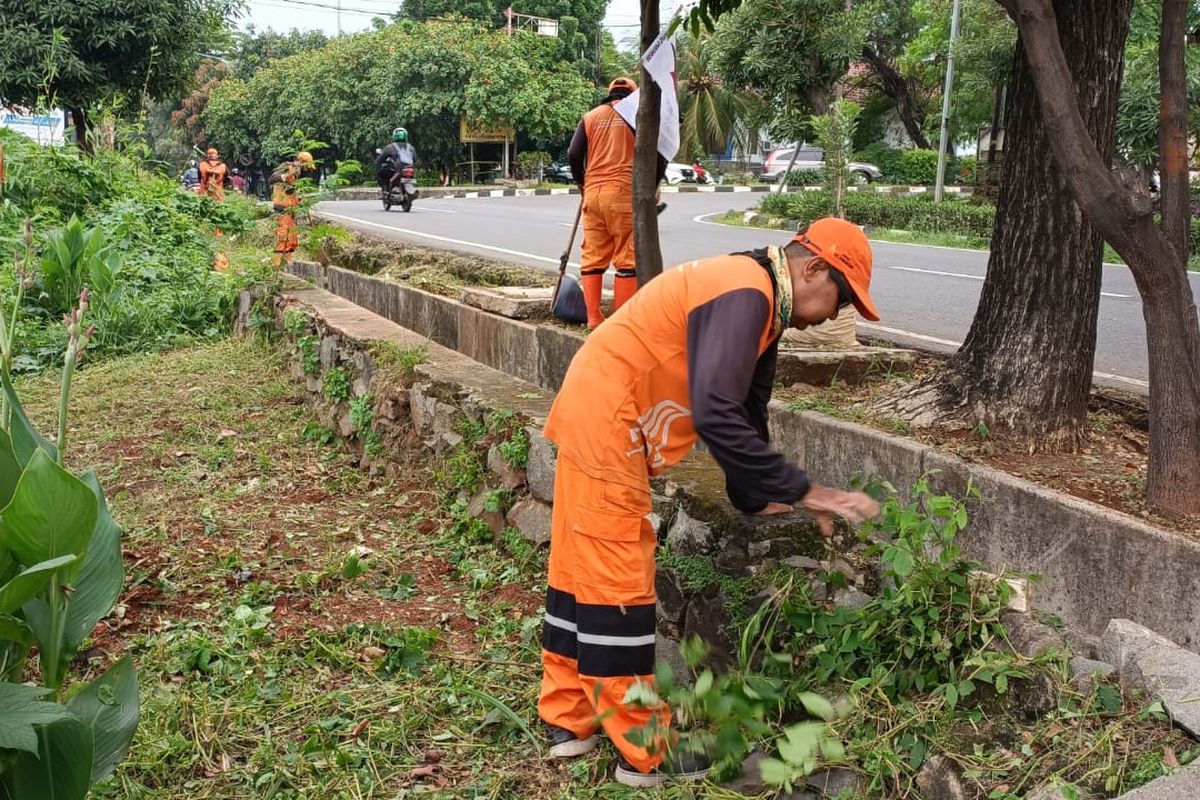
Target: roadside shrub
column 884, row 211
column 965, row 170
column 917, row 167
column 881, row 156
column 806, row 177
column 144, row 247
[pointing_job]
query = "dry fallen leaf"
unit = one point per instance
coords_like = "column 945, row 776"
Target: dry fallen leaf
column 372, row 652
column 1169, row 758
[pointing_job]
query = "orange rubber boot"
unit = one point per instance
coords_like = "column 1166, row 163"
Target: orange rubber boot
column 593, row 285
column 624, row 286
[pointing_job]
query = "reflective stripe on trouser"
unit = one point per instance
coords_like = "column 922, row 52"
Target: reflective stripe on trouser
column 607, row 228
column 599, row 631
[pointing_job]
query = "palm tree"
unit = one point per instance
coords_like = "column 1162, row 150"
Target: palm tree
column 711, row 114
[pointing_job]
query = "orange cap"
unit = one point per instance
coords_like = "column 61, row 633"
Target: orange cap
column 212, row 153
column 844, row 246
column 622, row 83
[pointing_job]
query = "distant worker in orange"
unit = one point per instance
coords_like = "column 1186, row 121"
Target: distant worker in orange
column 213, row 174
column 601, row 159
column 285, row 200
column 690, row 357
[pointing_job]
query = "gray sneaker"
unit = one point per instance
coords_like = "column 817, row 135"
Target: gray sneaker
column 564, row 744
column 679, row 767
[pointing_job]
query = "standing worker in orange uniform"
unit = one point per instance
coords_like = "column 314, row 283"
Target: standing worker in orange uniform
column 213, row 173
column 285, row 200
column 601, row 158
column 692, row 355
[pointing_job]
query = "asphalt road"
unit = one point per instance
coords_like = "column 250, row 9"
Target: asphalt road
column 926, row 295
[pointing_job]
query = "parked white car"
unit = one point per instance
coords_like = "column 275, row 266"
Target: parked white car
column 679, row 173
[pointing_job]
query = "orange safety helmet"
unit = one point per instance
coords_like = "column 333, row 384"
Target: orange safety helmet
column 211, row 153
column 304, row 157
column 622, row 83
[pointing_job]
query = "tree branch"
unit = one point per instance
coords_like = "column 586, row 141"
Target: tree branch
column 897, row 87
column 1173, row 126
column 1091, row 181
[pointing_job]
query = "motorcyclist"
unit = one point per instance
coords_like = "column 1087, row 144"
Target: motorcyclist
column 397, row 153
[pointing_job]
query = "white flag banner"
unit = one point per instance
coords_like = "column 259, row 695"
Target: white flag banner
column 659, row 61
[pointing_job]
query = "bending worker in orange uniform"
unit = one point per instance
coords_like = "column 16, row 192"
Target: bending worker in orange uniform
column 692, row 355
column 213, row 174
column 601, row 158
column 285, row 200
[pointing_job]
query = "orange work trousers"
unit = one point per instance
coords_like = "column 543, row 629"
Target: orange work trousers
column 286, row 240
column 607, row 229
column 599, row 631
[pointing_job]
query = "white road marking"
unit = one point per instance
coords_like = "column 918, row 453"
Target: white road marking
column 949, row 343
column 701, row 219
column 1191, row 275
column 436, row 238
column 438, row 210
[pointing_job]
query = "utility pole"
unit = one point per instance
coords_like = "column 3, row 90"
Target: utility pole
column 508, row 14
column 947, row 91
column 339, row 17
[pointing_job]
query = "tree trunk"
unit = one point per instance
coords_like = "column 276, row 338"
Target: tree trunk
column 645, row 162
column 79, row 119
column 1026, row 364
column 1156, row 256
column 897, row 87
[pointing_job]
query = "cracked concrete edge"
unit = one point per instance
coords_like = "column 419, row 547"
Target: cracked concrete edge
column 1095, row 564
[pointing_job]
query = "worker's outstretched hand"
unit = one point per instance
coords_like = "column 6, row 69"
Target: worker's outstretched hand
column 825, row 504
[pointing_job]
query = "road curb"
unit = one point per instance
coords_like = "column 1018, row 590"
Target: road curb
column 446, row 193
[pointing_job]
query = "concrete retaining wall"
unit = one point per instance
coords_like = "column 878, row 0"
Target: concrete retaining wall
column 1096, row 564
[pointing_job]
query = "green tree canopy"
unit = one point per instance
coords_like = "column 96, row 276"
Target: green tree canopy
column 253, row 49
column 579, row 22
column 74, row 53
column 424, row 76
column 789, row 53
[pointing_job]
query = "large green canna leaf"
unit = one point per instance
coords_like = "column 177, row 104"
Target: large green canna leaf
column 23, row 709
column 52, row 513
column 10, row 470
column 15, row 630
column 109, row 707
column 98, row 584
column 62, row 768
column 28, row 583
column 25, row 438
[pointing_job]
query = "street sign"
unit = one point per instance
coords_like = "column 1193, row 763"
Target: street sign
column 44, row 127
column 497, row 134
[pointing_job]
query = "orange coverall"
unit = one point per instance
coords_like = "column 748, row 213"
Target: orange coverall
column 692, row 353
column 607, row 141
column 212, row 179
column 285, row 200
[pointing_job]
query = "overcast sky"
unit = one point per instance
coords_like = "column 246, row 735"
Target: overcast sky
column 283, row 15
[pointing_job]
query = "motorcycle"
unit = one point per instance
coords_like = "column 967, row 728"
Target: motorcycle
column 401, row 189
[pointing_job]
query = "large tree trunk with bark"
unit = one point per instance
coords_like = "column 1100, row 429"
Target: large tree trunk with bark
column 1026, row 365
column 899, row 89
column 646, row 247
column 1156, row 255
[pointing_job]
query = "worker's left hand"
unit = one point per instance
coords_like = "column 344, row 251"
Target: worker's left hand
column 825, row 504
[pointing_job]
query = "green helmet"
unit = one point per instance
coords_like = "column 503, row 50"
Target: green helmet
column 399, row 135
